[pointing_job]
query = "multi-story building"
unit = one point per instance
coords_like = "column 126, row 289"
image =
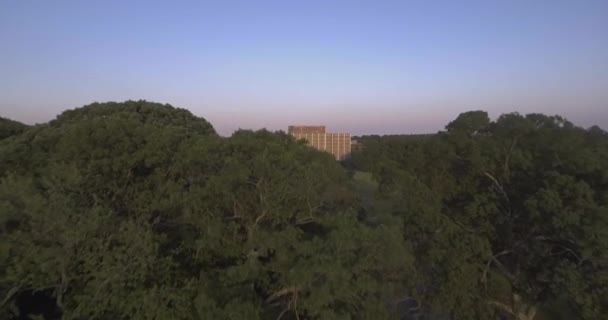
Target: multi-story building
column 338, row 144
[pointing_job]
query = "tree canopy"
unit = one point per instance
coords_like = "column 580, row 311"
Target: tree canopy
column 138, row 210
column 10, row 128
column 509, row 216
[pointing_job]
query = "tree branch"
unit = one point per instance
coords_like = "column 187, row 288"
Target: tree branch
column 10, row 294
column 501, row 189
column 496, row 183
column 282, row 313
column 495, row 259
column 282, row 292
column 503, row 306
column 562, row 244
column 508, row 157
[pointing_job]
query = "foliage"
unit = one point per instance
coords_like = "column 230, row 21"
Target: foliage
column 10, row 128
column 504, row 217
column 138, row 210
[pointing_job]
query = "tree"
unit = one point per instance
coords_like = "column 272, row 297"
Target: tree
column 10, row 128
column 469, row 122
column 139, row 210
column 79, row 200
column 506, row 216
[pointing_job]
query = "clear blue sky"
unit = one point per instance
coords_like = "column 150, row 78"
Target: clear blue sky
column 358, row 66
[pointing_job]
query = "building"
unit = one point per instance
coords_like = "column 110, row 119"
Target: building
column 338, row 144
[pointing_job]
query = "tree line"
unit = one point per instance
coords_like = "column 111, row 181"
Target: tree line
column 138, row 210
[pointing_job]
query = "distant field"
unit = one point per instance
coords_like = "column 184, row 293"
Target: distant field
column 365, row 181
column 366, row 187
column 364, row 177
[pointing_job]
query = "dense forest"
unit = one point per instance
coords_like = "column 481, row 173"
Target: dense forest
column 138, row 210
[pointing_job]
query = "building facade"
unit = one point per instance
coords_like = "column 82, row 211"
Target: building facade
column 338, row 144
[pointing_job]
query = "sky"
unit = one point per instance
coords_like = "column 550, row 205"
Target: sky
column 363, row 67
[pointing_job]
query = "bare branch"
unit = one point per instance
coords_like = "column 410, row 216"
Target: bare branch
column 500, row 188
column 503, row 306
column 282, row 292
column 262, row 199
column 259, row 218
column 563, row 245
column 496, row 183
column 495, row 259
column 508, row 157
column 295, row 304
column 9, row 295
column 282, row 313
column 305, row 220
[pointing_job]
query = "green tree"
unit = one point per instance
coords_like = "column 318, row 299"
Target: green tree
column 140, row 211
column 507, row 216
column 469, row 122
column 10, row 128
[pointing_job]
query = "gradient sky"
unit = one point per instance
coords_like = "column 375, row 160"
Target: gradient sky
column 358, row 66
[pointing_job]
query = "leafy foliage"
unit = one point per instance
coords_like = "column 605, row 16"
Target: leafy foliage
column 10, row 128
column 139, row 211
column 504, row 217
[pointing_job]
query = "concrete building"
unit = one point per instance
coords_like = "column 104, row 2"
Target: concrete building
column 338, row 144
